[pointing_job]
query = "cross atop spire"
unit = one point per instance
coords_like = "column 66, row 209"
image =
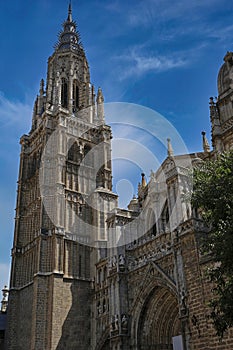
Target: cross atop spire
column 69, row 18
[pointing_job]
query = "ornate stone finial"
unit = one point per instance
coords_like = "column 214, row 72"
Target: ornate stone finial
column 42, row 87
column 100, row 96
column 205, row 143
column 69, row 18
column 143, row 184
column 4, row 301
column 170, row 152
column 211, row 103
column 100, row 105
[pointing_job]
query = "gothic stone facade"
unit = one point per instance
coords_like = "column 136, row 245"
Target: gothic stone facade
column 86, row 274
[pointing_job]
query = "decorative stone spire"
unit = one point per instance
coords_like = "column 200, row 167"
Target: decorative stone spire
column 100, row 97
column 205, row 143
column 100, row 104
column 68, row 77
column 170, row 152
column 42, row 87
column 143, row 184
column 69, row 38
column 69, row 18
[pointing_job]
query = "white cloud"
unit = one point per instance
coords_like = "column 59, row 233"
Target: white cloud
column 172, row 21
column 136, row 63
column 161, row 11
column 113, row 6
column 219, row 33
column 14, row 112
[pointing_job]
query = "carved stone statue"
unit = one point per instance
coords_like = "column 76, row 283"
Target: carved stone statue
column 124, row 323
column 116, row 323
column 121, row 259
column 114, row 261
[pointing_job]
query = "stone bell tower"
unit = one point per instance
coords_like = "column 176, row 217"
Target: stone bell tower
column 64, row 193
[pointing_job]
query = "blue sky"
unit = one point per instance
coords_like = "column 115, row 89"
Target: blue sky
column 162, row 54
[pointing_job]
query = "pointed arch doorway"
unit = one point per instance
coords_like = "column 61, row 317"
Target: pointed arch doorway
column 159, row 324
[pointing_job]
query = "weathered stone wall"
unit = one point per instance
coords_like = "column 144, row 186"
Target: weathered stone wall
column 20, row 319
column 71, row 315
column 194, row 299
column 53, row 313
column 202, row 334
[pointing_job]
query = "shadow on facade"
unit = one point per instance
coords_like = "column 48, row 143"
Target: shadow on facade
column 76, row 327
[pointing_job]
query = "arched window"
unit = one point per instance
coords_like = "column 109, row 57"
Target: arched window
column 64, row 93
column 165, row 217
column 75, row 96
column 152, row 229
column 74, row 154
column 99, row 179
column 87, row 149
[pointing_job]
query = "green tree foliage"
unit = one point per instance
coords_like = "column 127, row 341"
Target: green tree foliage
column 213, row 194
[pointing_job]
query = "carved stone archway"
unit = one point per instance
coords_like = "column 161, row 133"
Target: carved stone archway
column 159, row 321
column 155, row 311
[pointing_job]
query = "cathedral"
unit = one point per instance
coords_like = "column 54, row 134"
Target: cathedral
column 86, row 274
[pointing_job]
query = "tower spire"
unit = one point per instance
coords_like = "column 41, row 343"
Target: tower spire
column 69, row 38
column 69, row 18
